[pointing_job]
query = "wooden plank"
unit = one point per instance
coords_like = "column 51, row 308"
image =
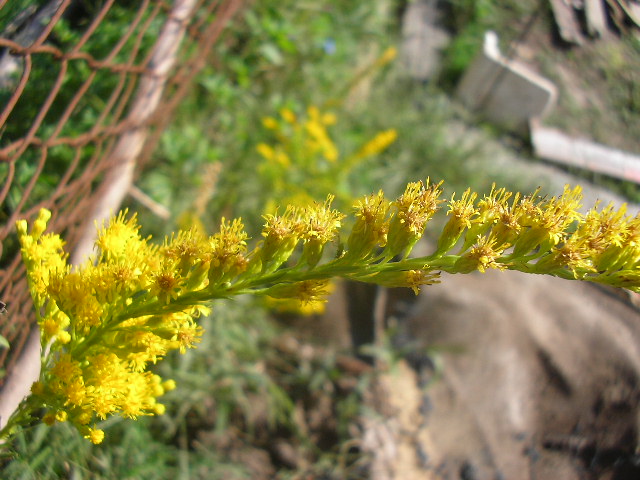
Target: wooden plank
column 553, row 145
column 632, row 10
column 596, row 17
column 568, row 26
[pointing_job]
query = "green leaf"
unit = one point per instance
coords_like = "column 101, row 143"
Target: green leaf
column 4, row 342
column 272, row 53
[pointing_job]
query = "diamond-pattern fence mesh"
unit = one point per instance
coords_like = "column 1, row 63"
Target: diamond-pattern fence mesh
column 86, row 89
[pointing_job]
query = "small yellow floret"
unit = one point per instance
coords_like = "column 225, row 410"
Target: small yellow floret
column 169, row 385
column 95, row 435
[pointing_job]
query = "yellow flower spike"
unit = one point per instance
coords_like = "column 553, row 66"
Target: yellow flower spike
column 462, row 213
column 378, row 144
column 120, row 238
column 387, row 56
column 371, row 226
column 270, row 123
column 412, row 210
column 413, row 279
column 319, row 225
column 306, row 291
column 546, row 221
column 266, row 151
column 227, row 250
column 287, row 115
column 40, row 225
column 329, row 118
column 493, row 209
column 105, row 326
column 281, row 235
column 480, row 257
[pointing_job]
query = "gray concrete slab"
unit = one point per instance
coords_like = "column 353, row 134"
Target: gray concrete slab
column 504, row 91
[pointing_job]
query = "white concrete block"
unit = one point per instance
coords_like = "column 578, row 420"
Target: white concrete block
column 506, row 92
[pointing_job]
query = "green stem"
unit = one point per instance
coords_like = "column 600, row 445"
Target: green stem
column 21, row 417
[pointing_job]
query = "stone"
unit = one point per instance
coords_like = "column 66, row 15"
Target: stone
column 506, row 92
column 423, row 39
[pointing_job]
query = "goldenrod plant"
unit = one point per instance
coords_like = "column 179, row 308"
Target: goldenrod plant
column 305, row 156
column 105, row 323
column 303, row 159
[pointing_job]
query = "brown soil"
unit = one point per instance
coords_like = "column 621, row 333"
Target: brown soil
column 538, row 379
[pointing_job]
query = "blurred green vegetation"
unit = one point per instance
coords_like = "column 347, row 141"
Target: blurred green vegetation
column 251, row 386
column 45, row 70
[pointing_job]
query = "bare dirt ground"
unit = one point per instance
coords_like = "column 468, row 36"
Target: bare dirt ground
column 538, row 380
column 504, row 376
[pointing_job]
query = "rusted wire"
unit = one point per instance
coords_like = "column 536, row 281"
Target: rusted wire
column 50, row 161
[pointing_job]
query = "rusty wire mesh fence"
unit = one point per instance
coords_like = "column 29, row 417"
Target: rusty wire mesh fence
column 86, row 89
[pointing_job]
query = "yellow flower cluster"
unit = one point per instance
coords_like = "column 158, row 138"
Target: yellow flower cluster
column 99, row 348
column 105, row 322
column 543, row 235
column 304, row 137
column 377, row 144
column 314, row 226
column 303, row 158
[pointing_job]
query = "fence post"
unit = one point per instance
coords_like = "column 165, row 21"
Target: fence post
column 124, row 155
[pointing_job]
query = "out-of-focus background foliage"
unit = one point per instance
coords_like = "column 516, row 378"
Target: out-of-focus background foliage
column 304, row 99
